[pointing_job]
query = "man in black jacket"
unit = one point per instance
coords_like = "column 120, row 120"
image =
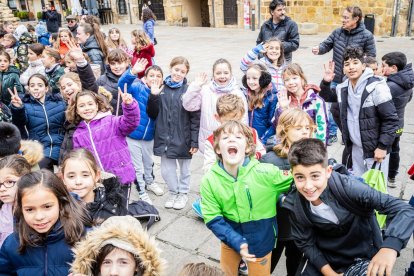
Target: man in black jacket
column 400, row 79
column 282, row 27
column 72, row 24
column 52, row 17
column 333, row 220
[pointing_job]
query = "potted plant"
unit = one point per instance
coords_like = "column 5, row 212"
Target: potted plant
column 39, row 15
column 31, row 16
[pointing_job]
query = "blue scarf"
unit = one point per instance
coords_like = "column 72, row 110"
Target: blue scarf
column 171, row 84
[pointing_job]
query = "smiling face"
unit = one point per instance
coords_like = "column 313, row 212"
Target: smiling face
column 68, row 88
column 114, row 35
column 80, row 179
column 311, row 181
column 152, row 76
column 4, row 63
column 118, row 263
column 38, row 89
column 64, row 36
column 232, row 148
column 178, row 72
column 293, row 83
column 222, row 74
column 252, row 78
column 8, row 178
column 40, row 208
column 81, row 36
column 273, row 51
column 353, row 69
column 118, row 68
column 86, row 108
column 349, row 22
column 300, row 131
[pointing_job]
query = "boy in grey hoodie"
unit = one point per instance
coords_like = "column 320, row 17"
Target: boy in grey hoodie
column 368, row 116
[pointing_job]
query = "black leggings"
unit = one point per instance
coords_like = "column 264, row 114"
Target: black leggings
column 292, row 253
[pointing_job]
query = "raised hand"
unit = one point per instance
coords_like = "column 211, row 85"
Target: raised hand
column 201, row 79
column 15, row 99
column 76, row 53
column 156, row 86
column 139, row 66
column 283, row 98
column 329, row 71
column 265, row 48
column 126, row 98
column 244, row 252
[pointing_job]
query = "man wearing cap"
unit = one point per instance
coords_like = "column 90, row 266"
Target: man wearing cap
column 72, row 24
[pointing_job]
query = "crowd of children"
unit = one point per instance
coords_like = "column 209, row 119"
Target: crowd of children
column 99, row 109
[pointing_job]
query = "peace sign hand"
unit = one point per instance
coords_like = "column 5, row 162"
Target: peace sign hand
column 15, row 99
column 126, row 98
column 283, row 98
column 156, row 87
column 139, row 66
column 329, row 71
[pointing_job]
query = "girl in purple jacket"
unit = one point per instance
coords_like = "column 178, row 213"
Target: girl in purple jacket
column 104, row 134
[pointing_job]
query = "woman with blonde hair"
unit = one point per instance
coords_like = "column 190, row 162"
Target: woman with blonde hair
column 114, row 40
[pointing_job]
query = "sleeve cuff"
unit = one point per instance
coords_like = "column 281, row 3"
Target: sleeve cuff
column 382, row 146
column 393, row 243
column 82, row 64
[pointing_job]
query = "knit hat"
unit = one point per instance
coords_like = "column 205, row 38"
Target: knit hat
column 40, row 29
column 9, row 139
column 21, row 29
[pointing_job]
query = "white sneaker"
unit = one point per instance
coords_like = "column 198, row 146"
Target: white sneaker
column 180, row 202
column 153, row 187
column 144, row 196
column 170, row 201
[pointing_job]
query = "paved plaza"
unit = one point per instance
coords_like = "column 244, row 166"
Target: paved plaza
column 183, row 237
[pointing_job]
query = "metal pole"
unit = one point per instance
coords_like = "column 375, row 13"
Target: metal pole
column 253, row 20
column 410, row 18
column 214, row 16
column 129, row 11
column 394, row 29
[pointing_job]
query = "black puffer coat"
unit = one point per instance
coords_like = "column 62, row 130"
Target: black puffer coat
column 94, row 52
column 401, row 85
column 286, row 30
column 109, row 81
column 340, row 38
column 52, row 21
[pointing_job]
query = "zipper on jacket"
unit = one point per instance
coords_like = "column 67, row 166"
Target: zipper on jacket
column 93, row 145
column 47, row 124
column 146, row 128
column 249, row 197
column 46, row 260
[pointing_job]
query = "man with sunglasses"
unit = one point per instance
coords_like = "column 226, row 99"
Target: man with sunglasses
column 72, row 24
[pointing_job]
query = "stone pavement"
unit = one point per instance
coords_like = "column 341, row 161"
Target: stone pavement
column 181, row 235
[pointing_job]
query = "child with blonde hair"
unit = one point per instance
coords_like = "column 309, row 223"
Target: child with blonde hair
column 143, row 48
column 63, row 38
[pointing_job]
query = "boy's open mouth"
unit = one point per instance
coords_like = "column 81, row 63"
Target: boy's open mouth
column 232, row 151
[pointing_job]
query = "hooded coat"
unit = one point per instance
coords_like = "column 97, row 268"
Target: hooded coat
column 401, row 86
column 122, row 232
column 10, row 79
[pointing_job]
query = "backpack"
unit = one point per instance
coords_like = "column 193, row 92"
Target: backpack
column 142, row 210
column 5, row 113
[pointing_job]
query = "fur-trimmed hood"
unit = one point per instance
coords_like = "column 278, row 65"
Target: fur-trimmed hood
column 126, row 230
column 32, row 151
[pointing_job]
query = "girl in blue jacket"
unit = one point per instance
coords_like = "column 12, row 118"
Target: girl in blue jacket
column 261, row 100
column 49, row 221
column 42, row 114
column 141, row 140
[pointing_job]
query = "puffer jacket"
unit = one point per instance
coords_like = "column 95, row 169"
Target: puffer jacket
column 378, row 119
column 243, row 209
column 10, row 79
column 94, row 52
column 43, row 121
column 315, row 106
column 287, row 31
column 50, row 258
column 205, row 98
column 340, row 38
column 22, row 59
column 148, row 53
column 109, row 81
column 53, row 76
column 401, row 86
column 176, row 129
column 52, row 21
column 44, row 39
column 140, row 91
column 104, row 136
column 276, row 73
column 148, row 27
column 324, row 242
column 127, row 230
column 261, row 118
column 35, row 67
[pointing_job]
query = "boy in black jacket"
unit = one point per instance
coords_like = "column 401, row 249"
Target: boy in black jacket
column 332, row 216
column 400, row 79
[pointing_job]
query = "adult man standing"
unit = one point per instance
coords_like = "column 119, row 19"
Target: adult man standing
column 282, row 27
column 51, row 16
column 352, row 33
column 72, row 24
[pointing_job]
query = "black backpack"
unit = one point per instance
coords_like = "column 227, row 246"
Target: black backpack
column 142, row 210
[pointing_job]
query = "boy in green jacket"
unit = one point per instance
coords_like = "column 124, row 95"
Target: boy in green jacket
column 239, row 200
